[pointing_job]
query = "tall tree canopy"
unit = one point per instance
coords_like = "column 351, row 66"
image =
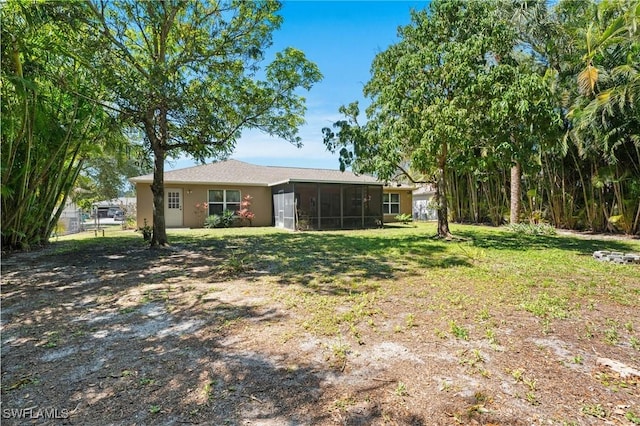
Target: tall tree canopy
column 424, row 92
column 189, row 75
column 49, row 125
column 605, row 112
column 104, row 175
column 480, row 95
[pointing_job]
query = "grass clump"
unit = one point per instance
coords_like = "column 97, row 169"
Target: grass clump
column 458, row 331
column 532, row 228
column 545, row 306
column 594, row 410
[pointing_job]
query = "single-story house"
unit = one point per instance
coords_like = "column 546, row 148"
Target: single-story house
column 285, row 197
column 107, row 208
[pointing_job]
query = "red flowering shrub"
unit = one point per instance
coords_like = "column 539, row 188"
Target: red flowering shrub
column 245, row 214
column 201, row 210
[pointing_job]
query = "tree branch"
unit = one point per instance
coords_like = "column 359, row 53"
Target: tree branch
column 106, row 32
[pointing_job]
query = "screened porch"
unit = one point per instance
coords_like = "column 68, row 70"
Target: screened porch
column 316, row 206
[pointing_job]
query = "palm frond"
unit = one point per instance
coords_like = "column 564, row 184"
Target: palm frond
column 587, row 80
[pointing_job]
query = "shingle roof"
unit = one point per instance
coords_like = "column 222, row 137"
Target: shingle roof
column 234, row 172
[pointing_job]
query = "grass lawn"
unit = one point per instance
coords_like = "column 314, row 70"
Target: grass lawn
column 384, row 326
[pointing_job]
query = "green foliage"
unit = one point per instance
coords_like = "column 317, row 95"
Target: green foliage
column 211, row 221
column 605, row 111
column 235, row 264
column 49, row 124
column 146, row 230
column 459, row 331
column 104, row 174
column 595, row 410
column 226, row 220
column 401, row 389
column 429, row 95
column 129, row 222
column 475, row 87
column 404, row 218
column 595, row 46
column 632, row 417
column 532, row 228
column 59, row 229
column 545, row 305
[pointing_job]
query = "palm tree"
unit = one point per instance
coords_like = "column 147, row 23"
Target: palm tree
column 606, row 112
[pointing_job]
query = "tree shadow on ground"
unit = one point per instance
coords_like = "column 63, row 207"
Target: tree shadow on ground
column 293, row 259
column 94, row 328
column 146, row 365
column 515, row 241
column 303, row 257
column 97, row 328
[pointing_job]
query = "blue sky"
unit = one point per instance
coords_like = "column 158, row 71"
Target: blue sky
column 342, row 38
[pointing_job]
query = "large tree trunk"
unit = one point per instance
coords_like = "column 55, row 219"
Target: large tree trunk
column 516, row 190
column 156, row 129
column 159, row 237
column 441, row 197
column 442, row 212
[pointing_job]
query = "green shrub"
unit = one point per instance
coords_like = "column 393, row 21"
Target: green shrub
column 404, row 218
column 146, row 230
column 225, row 220
column 129, row 222
column 532, row 228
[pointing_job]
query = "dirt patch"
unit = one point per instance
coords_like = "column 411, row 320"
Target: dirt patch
column 179, row 337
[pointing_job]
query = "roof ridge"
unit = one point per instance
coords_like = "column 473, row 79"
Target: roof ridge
column 237, row 171
column 284, row 167
column 207, row 164
column 304, row 168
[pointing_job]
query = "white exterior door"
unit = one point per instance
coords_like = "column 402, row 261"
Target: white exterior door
column 173, row 207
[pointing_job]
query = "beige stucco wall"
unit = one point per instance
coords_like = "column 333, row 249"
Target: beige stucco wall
column 144, row 204
column 406, row 202
column 261, row 204
column 193, row 194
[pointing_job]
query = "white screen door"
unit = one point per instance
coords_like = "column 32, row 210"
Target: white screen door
column 279, row 208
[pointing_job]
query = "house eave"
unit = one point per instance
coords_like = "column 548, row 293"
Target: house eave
column 192, row 182
column 343, row 182
column 398, row 188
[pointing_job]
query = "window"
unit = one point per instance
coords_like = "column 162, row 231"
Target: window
column 391, row 203
column 173, row 199
column 223, row 199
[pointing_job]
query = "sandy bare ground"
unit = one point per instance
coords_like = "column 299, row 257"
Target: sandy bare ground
column 130, row 336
